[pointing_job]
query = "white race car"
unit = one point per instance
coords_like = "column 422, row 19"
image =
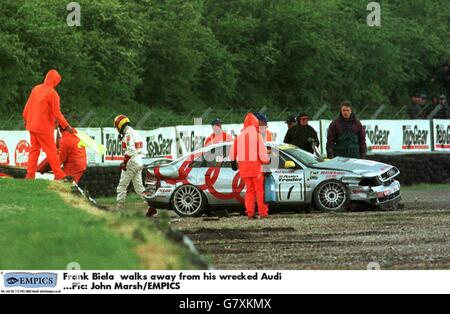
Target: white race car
column 205, row 179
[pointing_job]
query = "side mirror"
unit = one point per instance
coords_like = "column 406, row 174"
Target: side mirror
column 290, row 165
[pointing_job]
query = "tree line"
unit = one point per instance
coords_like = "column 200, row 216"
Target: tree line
column 178, row 54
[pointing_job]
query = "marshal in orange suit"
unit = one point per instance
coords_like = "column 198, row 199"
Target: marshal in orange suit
column 72, row 157
column 40, row 113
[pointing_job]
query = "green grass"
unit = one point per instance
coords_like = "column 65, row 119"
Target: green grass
column 111, row 201
column 427, row 187
column 42, row 226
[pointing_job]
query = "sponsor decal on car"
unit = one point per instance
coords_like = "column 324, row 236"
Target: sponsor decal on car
column 164, row 192
column 332, row 174
column 223, row 159
column 284, row 171
column 289, row 178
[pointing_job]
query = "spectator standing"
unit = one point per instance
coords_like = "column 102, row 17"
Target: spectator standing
column 346, row 135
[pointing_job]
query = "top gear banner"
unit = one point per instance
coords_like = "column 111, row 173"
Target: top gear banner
column 157, row 143
column 398, row 137
column 382, row 136
column 441, row 135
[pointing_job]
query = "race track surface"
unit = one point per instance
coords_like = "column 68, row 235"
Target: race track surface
column 416, row 237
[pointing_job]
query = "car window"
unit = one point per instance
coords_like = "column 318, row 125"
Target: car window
column 278, row 159
column 304, row 157
column 214, row 157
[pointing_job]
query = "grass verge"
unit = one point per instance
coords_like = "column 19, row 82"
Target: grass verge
column 44, row 226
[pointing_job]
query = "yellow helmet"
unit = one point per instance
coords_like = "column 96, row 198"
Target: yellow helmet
column 120, row 121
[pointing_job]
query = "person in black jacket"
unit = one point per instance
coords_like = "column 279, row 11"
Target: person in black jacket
column 346, row 135
column 419, row 108
column 302, row 135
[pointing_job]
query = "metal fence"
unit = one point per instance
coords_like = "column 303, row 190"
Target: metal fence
column 155, row 118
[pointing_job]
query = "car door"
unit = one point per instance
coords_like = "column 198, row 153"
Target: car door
column 229, row 187
column 290, row 183
column 216, row 177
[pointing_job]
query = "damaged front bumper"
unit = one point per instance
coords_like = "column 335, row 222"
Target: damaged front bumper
column 382, row 196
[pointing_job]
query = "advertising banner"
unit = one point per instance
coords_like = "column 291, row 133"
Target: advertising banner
column 15, row 148
column 160, row 143
column 192, row 137
column 114, row 151
column 415, row 136
column 157, row 143
column 96, row 135
column 441, row 129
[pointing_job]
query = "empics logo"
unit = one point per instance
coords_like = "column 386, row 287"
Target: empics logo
column 29, row 280
column 378, row 137
column 12, row 280
column 415, row 138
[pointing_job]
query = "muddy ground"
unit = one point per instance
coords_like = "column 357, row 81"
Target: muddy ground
column 416, row 237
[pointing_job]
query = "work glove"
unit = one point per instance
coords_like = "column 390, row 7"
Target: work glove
column 70, row 129
column 123, row 165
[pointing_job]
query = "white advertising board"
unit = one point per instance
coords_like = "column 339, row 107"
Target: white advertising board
column 96, row 135
column 157, row 143
column 441, row 129
column 15, row 148
column 398, row 136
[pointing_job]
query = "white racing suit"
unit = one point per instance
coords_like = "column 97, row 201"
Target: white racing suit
column 133, row 145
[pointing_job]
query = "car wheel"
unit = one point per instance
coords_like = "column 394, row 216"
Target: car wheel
column 188, row 201
column 331, row 195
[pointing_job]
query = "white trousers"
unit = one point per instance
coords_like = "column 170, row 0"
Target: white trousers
column 132, row 175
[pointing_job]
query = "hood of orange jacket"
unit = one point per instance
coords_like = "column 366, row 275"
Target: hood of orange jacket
column 251, row 120
column 52, row 78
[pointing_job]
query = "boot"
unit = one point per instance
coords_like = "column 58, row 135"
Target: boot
column 151, row 212
column 119, row 207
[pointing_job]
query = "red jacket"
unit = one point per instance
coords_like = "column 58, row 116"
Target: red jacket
column 249, row 149
column 216, row 139
column 43, row 107
column 71, row 156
